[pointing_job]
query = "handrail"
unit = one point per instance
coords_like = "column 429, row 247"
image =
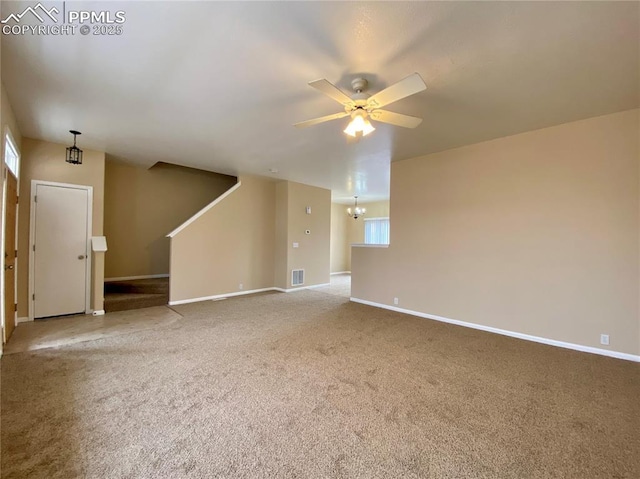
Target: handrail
column 204, row 210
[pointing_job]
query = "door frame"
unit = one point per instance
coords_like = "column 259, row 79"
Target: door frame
column 5, row 172
column 32, row 232
column 14, row 301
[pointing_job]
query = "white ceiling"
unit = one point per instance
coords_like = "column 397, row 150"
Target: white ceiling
column 218, row 85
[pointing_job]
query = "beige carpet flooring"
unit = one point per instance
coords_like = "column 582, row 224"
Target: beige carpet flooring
column 54, row 332
column 340, row 285
column 308, row 385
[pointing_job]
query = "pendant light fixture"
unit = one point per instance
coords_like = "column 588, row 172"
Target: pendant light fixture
column 74, row 154
column 356, row 212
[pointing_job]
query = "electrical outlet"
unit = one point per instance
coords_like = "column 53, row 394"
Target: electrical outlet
column 604, row 339
column 395, row 301
column 241, row 286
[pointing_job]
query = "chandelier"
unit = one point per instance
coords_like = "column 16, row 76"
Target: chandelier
column 356, row 212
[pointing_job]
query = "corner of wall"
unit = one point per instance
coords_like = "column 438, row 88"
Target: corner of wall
column 281, row 235
column 222, row 252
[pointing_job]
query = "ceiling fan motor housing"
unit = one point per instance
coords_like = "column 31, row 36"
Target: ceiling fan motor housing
column 359, row 97
column 359, row 84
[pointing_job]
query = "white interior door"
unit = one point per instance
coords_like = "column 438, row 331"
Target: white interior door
column 61, row 247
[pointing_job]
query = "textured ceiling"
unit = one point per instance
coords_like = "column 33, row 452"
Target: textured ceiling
column 218, row 85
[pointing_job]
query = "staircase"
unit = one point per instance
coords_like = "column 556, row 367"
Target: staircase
column 135, row 294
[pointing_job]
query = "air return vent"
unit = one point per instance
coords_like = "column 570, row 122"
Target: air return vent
column 297, row 277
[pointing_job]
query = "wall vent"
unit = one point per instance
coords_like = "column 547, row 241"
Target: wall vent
column 297, row 277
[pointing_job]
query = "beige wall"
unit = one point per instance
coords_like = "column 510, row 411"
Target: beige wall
column 45, row 161
column 313, row 253
column 247, row 239
column 339, row 245
column 355, row 228
column 281, row 252
column 378, row 209
column 8, row 119
column 346, row 231
column 142, row 205
column 230, row 244
column 536, row 233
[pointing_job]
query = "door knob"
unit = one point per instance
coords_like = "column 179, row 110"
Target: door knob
column 9, row 266
column 81, row 256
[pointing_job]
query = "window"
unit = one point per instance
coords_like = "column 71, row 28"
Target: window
column 376, row 231
column 11, row 155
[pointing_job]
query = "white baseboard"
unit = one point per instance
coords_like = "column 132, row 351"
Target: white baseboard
column 301, row 288
column 130, row 278
column 219, row 296
column 242, row 293
column 341, row 272
column 99, row 312
column 23, row 320
column 504, row 332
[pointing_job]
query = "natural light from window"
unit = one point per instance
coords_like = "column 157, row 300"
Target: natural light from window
column 376, row 230
column 11, row 156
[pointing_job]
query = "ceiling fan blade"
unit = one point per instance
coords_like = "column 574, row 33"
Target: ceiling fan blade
column 395, row 118
column 332, row 91
column 322, row 119
column 404, row 88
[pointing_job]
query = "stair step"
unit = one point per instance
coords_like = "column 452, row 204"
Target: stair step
column 135, row 294
column 160, row 286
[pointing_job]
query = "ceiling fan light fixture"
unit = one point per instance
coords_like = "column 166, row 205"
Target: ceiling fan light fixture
column 359, row 123
column 361, row 105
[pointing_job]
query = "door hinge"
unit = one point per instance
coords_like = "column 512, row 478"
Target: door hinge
column 16, row 253
column 15, row 307
column 34, row 247
column 33, row 297
column 35, row 199
column 17, row 199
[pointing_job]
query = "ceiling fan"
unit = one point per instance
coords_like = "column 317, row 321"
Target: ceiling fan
column 361, row 106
